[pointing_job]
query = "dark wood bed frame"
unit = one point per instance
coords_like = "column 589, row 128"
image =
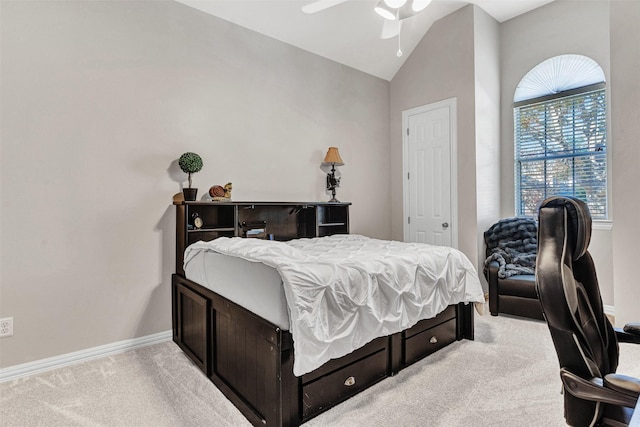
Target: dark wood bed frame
column 251, row 360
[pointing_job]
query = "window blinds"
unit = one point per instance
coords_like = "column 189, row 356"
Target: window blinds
column 561, row 149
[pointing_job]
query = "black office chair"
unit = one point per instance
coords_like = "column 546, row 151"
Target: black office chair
column 585, row 341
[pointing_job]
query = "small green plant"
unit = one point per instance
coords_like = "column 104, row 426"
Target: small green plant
column 190, row 163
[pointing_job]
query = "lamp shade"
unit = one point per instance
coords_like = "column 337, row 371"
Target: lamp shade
column 333, row 157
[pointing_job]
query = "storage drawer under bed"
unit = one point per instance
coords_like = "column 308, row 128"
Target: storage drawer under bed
column 282, row 398
column 333, row 388
column 447, row 314
column 428, row 341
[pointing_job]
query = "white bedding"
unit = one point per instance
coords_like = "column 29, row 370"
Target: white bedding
column 343, row 291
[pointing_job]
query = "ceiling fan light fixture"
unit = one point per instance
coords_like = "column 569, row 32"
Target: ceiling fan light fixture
column 418, row 5
column 395, row 3
column 385, row 11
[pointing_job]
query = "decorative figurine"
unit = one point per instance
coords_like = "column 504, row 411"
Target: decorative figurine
column 219, row 193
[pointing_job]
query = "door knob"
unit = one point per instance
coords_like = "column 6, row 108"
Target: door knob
column 445, row 225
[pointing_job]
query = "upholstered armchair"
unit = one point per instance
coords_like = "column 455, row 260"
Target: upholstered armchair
column 511, row 246
column 585, row 341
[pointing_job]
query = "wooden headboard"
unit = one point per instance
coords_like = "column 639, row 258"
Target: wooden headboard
column 280, row 221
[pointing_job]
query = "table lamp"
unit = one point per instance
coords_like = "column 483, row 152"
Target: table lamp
column 333, row 158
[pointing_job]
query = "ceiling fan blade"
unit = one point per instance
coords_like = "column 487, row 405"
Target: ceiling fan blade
column 390, row 29
column 319, row 5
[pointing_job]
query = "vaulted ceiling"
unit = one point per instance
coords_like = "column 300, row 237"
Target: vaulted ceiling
column 348, row 33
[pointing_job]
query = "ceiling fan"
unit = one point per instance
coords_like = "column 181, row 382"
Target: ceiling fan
column 389, row 9
column 394, row 12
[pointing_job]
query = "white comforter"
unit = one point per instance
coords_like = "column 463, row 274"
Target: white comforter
column 345, row 290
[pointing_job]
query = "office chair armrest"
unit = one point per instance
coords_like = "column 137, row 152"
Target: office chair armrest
column 594, row 390
column 630, row 333
column 632, row 328
column 623, row 384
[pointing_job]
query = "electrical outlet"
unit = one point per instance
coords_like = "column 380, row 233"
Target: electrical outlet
column 6, row 327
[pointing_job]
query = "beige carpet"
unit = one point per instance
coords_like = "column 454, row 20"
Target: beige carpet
column 508, row 376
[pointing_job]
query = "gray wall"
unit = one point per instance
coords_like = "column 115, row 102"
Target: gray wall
column 440, row 67
column 99, row 99
column 625, row 111
column 487, row 94
column 558, row 28
column 458, row 57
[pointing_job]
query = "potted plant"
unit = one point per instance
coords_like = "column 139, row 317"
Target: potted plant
column 190, row 163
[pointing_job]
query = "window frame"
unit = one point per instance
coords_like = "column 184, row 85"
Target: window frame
column 518, row 199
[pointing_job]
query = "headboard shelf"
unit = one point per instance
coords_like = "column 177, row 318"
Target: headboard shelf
column 277, row 220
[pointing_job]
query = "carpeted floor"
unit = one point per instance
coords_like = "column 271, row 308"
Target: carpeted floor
column 508, row 376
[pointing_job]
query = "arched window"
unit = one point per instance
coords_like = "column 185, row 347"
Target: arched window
column 560, row 126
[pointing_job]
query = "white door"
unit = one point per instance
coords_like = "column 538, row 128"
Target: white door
column 429, row 189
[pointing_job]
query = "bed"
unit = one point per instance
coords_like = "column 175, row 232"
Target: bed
column 239, row 303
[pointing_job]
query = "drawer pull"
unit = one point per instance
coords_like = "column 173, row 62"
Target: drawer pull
column 433, row 340
column 350, row 381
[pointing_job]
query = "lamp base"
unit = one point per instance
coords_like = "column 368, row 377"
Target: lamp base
column 332, row 183
column 333, row 195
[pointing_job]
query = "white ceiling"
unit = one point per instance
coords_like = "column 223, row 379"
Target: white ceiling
column 348, row 33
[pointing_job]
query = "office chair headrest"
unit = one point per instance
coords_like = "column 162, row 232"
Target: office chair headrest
column 578, row 222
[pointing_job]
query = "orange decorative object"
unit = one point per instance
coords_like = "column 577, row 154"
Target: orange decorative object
column 216, row 191
column 221, row 194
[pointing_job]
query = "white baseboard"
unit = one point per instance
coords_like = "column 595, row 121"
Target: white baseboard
column 37, row 366
column 610, row 310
